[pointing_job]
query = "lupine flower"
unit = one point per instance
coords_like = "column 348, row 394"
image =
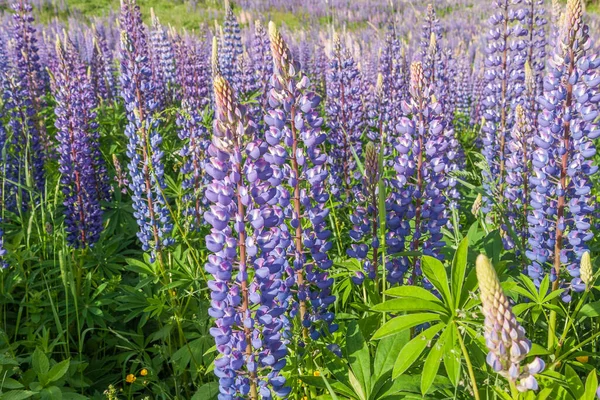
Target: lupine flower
column 248, row 233
column 145, row 156
column 536, row 52
column 560, row 220
column 23, row 98
column 3, row 160
column 262, row 67
column 345, row 118
column 120, row 176
column 504, row 336
column 518, row 166
column 231, row 48
column 81, row 186
column 504, row 74
column 193, row 77
column 420, row 182
column 163, row 58
column 101, row 68
column 296, row 137
column 365, row 219
column 375, row 110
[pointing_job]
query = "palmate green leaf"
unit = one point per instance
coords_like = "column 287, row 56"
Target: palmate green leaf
column 403, row 322
column 358, row 356
column 432, row 362
column 410, row 304
column 413, row 349
column 434, row 270
column 459, row 267
column 387, row 351
column 416, row 292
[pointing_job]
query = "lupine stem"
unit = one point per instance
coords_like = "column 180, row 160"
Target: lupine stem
column 469, row 365
column 298, row 234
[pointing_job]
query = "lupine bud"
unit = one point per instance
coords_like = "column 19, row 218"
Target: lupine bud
column 504, row 336
column 477, row 204
column 585, row 269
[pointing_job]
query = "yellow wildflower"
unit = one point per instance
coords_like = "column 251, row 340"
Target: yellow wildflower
column 144, row 372
column 130, row 378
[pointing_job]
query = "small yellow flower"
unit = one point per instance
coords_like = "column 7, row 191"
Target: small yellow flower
column 316, row 373
column 130, row 378
column 144, row 372
column 582, row 359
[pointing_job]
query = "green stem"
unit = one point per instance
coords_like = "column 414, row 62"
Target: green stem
column 570, row 321
column 552, row 328
column 469, row 365
column 574, row 349
column 514, row 393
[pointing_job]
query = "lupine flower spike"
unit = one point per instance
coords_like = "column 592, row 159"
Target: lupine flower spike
column 504, row 336
column 562, row 205
column 296, row 136
column 146, row 168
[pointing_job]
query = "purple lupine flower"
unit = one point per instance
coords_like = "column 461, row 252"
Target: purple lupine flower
column 105, row 74
column 518, row 167
column 536, row 52
column 504, row 74
column 82, row 187
column 345, row 118
column 163, row 58
column 296, row 138
column 560, row 220
column 29, row 132
column 365, row 219
column 248, row 233
column 3, row 158
column 420, row 181
column 463, row 85
column 231, row 48
column 504, row 336
column 193, row 78
column 376, row 109
column 145, row 156
column 262, row 64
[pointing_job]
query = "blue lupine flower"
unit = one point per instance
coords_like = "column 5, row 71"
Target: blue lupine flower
column 145, row 156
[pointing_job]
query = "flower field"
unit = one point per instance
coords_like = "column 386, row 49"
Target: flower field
column 274, row 199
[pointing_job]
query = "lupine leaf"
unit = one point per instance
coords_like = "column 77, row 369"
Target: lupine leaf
column 358, row 355
column 387, row 351
column 403, row 322
column 434, row 270
column 459, row 267
column 413, row 349
column 432, row 362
